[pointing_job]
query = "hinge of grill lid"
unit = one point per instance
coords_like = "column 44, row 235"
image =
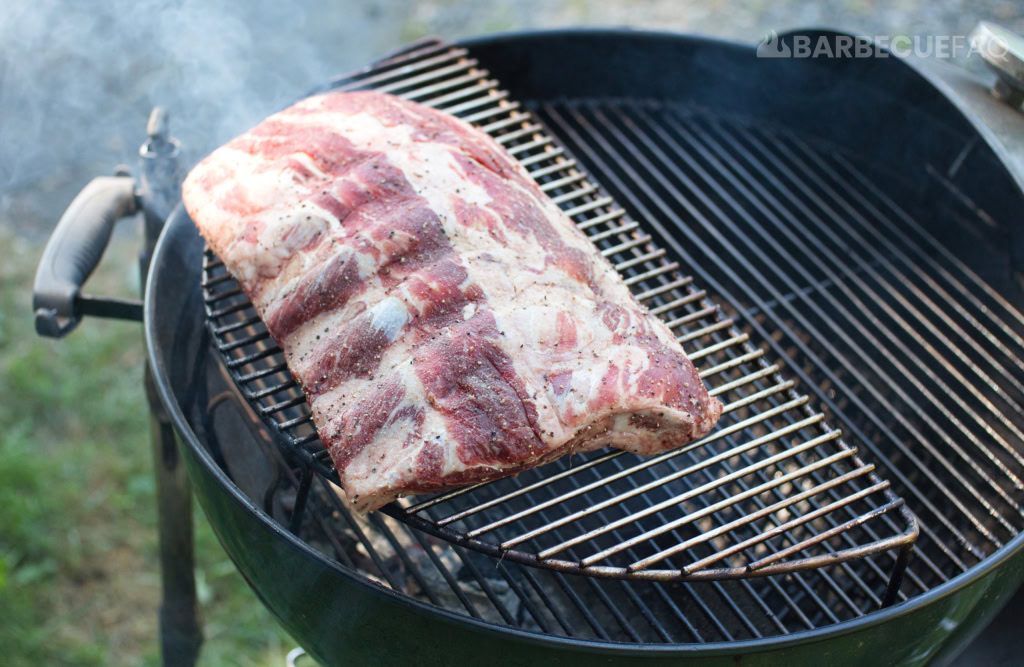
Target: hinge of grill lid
column 1003, row 52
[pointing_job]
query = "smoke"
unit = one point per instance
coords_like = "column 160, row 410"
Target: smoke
column 78, row 79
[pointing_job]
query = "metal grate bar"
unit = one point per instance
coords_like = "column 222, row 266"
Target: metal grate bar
column 396, row 65
column 601, row 219
column 583, row 609
column 662, row 594
column 455, row 101
column 489, row 113
column 488, row 590
column 273, row 389
column 779, row 555
column 815, row 475
column 814, row 472
column 546, row 600
column 262, row 373
column 625, row 245
column 447, row 575
column 430, row 75
column 624, row 229
column 538, row 174
column 639, row 259
column 670, row 267
column 359, row 535
column 833, row 520
column 622, row 619
column 473, row 76
column 527, row 601
column 541, row 157
column 589, row 206
column 479, row 102
column 528, row 130
column 546, row 141
column 661, row 289
column 398, row 549
column 629, row 494
column 513, row 120
column 706, row 312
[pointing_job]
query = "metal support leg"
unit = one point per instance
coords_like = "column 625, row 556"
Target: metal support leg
column 180, row 630
column 71, row 254
column 899, row 568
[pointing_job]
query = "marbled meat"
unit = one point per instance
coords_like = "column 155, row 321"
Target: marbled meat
column 446, row 320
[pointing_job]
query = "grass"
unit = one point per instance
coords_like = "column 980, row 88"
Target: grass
column 79, row 579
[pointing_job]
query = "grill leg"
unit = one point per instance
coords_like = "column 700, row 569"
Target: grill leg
column 180, row 631
column 892, row 590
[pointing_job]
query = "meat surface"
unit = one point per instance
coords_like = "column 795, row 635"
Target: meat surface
column 447, row 321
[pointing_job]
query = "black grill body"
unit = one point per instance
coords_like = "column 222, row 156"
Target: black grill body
column 897, row 138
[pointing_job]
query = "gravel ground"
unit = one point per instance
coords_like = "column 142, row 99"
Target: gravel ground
column 77, row 79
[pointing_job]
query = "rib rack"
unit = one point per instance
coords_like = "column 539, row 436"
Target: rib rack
column 772, row 490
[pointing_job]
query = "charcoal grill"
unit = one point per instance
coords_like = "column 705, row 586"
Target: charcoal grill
column 796, row 485
column 802, row 278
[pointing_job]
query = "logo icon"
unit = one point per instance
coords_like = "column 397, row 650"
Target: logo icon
column 772, row 47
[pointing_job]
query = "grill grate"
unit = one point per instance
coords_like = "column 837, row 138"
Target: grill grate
column 911, row 352
column 772, row 490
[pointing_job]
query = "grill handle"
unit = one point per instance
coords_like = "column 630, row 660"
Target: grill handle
column 73, row 251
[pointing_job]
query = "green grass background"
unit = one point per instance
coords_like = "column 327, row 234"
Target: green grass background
column 79, row 578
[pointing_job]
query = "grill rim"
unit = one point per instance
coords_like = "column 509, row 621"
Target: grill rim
column 972, row 575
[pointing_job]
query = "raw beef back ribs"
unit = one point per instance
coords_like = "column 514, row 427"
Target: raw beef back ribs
column 446, row 320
